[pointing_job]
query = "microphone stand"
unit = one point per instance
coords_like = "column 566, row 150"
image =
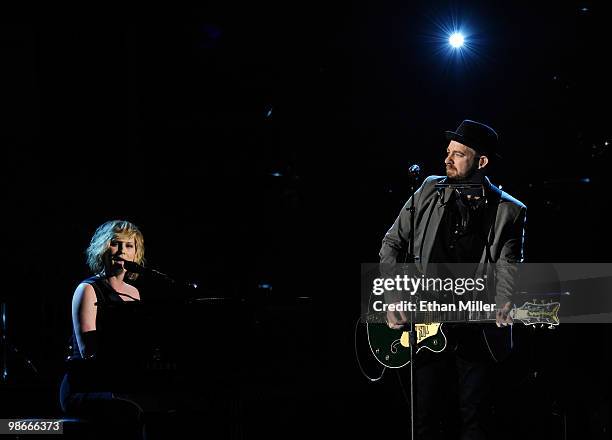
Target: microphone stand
column 172, row 281
column 411, row 259
column 460, row 185
column 145, row 270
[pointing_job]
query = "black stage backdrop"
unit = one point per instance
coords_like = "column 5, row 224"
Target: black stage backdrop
column 263, row 149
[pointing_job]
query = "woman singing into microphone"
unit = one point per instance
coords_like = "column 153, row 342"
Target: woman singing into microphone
column 113, row 243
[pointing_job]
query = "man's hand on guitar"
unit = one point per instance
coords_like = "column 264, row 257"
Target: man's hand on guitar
column 396, row 320
column 502, row 317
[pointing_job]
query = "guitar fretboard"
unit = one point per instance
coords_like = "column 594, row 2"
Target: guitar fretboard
column 427, row 317
column 469, row 311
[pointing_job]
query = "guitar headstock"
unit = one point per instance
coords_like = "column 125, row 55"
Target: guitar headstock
column 533, row 314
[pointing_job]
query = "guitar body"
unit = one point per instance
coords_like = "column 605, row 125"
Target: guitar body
column 392, row 347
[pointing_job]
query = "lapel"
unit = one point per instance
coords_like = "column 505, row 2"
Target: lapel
column 493, row 199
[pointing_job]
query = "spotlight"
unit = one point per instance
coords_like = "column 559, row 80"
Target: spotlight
column 456, row 40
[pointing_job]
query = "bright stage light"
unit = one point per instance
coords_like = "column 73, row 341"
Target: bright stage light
column 456, row 40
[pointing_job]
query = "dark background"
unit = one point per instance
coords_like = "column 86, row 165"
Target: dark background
column 268, row 144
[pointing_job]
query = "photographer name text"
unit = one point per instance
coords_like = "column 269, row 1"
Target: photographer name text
column 433, row 306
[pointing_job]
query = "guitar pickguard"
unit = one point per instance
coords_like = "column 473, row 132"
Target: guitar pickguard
column 392, row 347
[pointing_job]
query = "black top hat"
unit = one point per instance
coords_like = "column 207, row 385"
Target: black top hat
column 476, row 135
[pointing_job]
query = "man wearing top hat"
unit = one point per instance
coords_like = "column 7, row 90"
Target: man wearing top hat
column 460, row 218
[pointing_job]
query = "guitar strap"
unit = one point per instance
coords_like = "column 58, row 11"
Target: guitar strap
column 499, row 342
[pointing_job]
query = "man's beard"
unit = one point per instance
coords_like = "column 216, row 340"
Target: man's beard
column 474, row 175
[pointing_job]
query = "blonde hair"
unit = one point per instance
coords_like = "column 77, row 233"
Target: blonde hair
column 107, row 232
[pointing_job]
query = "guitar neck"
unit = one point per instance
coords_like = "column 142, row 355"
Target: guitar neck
column 438, row 317
column 469, row 311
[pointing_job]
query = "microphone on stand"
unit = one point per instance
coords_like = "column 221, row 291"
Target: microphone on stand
column 139, row 269
column 133, row 267
column 414, row 171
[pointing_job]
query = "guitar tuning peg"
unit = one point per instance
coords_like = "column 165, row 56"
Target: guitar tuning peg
column 552, row 327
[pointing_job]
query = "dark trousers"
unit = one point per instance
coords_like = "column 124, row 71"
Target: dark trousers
column 452, row 390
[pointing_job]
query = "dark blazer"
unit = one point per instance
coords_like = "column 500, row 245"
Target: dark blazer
column 505, row 217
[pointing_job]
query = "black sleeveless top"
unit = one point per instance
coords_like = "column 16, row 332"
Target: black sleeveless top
column 104, row 294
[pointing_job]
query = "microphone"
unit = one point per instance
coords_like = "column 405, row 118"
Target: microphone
column 130, row 266
column 133, row 267
column 414, row 171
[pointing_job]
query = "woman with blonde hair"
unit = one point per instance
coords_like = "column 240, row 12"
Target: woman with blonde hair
column 112, row 244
